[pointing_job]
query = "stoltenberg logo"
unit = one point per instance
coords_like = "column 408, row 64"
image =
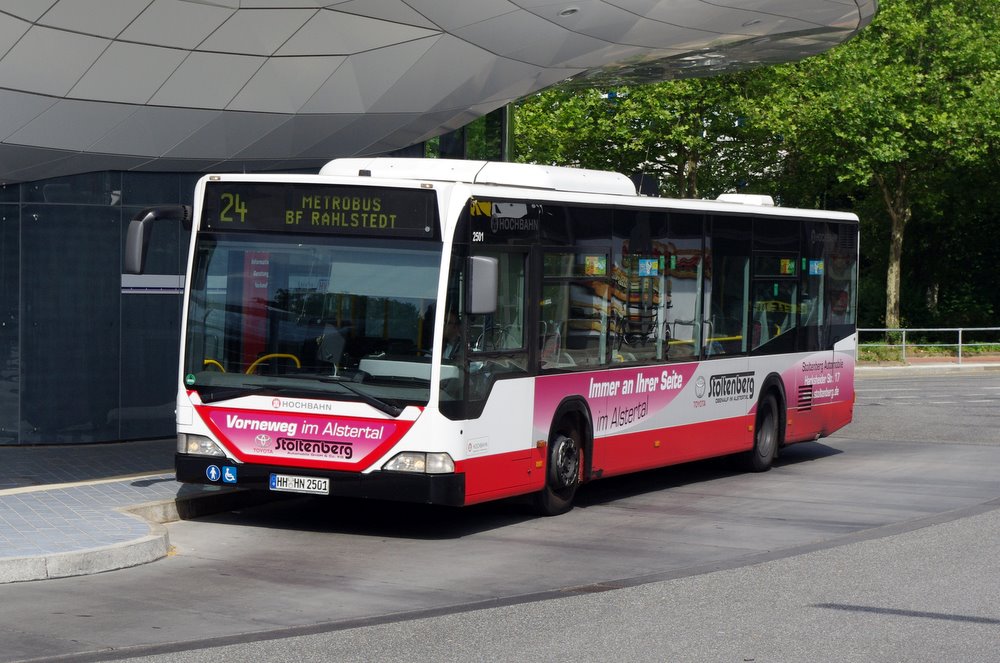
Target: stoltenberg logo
column 731, row 387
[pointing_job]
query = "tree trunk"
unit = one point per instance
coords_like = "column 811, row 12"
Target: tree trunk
column 897, row 204
column 691, row 176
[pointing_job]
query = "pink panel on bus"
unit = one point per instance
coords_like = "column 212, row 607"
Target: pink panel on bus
column 820, row 394
column 303, row 440
column 620, row 401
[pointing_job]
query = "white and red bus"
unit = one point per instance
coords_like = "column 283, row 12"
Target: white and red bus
column 453, row 332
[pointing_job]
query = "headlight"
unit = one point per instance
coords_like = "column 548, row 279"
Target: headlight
column 424, row 463
column 198, row 445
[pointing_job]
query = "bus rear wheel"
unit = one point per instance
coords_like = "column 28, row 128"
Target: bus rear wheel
column 562, row 473
column 766, row 436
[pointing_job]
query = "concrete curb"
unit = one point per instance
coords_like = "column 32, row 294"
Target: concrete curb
column 195, row 506
column 924, row 369
column 85, row 562
column 145, row 549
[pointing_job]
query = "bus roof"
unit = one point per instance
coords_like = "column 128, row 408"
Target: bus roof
column 532, row 176
column 559, row 182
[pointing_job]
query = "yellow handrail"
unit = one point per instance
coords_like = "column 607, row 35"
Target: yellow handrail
column 275, row 355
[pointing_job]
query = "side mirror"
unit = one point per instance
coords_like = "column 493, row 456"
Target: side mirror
column 482, row 292
column 139, row 229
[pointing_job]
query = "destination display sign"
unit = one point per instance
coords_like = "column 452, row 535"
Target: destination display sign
column 319, row 208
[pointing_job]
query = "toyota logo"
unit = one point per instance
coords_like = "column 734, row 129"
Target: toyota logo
column 262, row 440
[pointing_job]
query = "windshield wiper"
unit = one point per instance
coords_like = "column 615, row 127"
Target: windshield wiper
column 377, row 403
column 213, row 394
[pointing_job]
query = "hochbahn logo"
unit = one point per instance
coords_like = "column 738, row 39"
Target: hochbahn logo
column 731, row 387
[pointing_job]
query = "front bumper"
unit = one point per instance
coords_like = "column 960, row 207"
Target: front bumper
column 446, row 489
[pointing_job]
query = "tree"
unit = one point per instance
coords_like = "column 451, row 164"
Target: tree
column 689, row 136
column 914, row 95
column 895, row 124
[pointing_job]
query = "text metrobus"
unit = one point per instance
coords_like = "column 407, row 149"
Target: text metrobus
column 453, row 332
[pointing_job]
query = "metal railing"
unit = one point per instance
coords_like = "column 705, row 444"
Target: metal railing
column 933, row 341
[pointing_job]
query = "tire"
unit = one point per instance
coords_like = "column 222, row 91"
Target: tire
column 562, row 472
column 766, row 435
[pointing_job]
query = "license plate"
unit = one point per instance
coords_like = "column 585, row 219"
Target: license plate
column 288, row 483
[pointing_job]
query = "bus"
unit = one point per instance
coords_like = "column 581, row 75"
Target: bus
column 453, row 332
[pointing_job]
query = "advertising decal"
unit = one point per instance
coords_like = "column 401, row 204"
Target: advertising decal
column 317, row 440
column 620, row 401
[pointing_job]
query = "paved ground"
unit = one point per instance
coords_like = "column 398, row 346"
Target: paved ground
column 68, row 510
column 80, row 509
column 921, row 592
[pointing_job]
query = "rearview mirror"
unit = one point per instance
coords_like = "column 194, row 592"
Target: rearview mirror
column 139, row 229
column 482, row 290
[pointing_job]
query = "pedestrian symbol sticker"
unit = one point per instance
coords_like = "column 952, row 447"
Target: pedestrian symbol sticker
column 212, row 472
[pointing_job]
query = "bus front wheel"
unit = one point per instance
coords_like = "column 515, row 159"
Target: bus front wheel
column 562, row 473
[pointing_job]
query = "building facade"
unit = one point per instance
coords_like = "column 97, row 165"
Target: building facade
column 89, row 354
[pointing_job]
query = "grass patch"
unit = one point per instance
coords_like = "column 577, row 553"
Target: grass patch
column 876, row 353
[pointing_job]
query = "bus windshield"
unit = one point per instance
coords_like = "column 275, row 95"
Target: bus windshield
column 343, row 318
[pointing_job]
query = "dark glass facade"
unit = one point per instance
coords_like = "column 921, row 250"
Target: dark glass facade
column 88, row 354
column 83, row 358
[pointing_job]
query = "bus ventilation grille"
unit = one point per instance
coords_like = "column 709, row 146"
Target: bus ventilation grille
column 805, row 398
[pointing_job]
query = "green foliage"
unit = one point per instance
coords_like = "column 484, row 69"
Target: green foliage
column 690, row 136
column 901, row 124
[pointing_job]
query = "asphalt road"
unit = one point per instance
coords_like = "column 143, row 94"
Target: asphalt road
column 877, row 544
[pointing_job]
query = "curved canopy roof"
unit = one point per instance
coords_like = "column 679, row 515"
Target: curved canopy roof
column 275, row 84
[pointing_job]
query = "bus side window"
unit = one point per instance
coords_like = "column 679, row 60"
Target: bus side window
column 574, row 310
column 503, row 329
column 685, row 268
column 727, row 287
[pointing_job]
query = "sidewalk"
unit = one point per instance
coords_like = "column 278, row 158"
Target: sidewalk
column 81, row 509
column 930, row 365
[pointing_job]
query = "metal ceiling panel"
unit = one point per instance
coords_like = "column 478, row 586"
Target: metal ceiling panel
column 297, row 134
column 432, row 77
column 284, row 4
column 106, row 18
column 594, row 18
column 336, row 33
column 455, row 14
column 71, row 124
column 218, row 83
column 19, row 68
column 284, row 85
column 257, row 31
column 372, row 76
column 356, row 137
column 207, row 80
column 522, row 36
column 128, row 73
column 174, row 24
column 227, row 133
column 28, row 10
column 10, row 32
column 154, row 130
column 395, row 11
column 19, row 109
